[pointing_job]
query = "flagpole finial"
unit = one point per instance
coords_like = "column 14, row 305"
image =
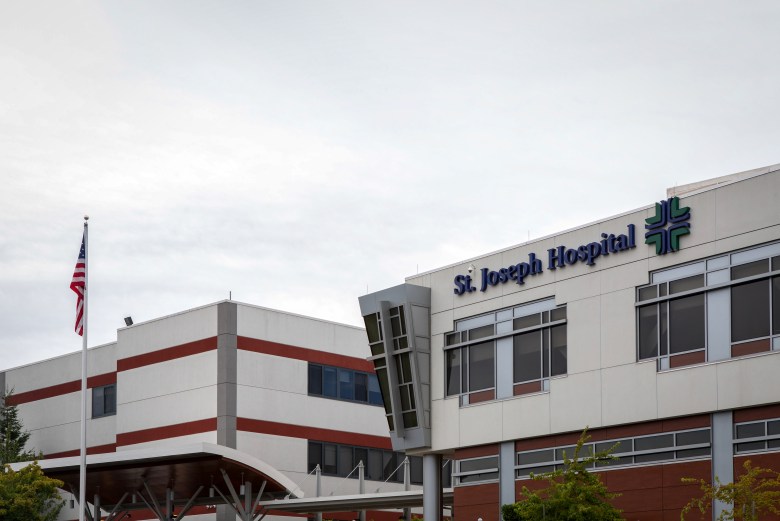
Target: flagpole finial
column 86, row 217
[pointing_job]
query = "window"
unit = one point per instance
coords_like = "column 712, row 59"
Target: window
column 380, row 465
column 344, row 384
column 400, row 355
column 672, row 312
column 104, row 401
column 669, row 446
column 757, row 436
column 537, row 336
column 674, row 325
column 476, row 470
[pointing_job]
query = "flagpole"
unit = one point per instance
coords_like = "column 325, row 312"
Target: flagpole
column 83, row 448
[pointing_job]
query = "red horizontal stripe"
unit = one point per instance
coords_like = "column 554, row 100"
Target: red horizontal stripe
column 60, row 389
column 302, row 353
column 168, row 431
column 97, row 449
column 312, row 433
column 167, row 354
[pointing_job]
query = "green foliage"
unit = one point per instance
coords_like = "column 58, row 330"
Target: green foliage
column 572, row 494
column 754, row 494
column 28, row 495
column 13, row 438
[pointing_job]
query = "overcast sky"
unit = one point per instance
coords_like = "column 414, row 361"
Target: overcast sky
column 297, row 153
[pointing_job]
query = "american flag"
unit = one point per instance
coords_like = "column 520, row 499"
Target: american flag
column 78, row 284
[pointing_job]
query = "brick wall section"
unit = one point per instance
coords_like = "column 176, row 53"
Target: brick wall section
column 654, row 493
column 767, row 460
column 474, row 501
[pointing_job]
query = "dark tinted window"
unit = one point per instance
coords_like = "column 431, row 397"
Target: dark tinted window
column 558, row 350
column 750, row 269
column 750, row 310
column 654, row 442
column 453, row 371
column 315, row 379
column 686, row 324
column 103, row 401
column 648, row 332
column 750, row 430
column 776, row 306
column 527, row 356
column 330, row 382
column 481, row 367
column 686, row 284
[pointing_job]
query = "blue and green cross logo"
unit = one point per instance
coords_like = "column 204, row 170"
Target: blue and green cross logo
column 669, row 223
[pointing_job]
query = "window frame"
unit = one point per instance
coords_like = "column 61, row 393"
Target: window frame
column 717, row 273
column 764, row 439
column 506, row 323
column 384, row 473
column 102, row 391
column 312, row 368
column 522, row 471
column 458, row 474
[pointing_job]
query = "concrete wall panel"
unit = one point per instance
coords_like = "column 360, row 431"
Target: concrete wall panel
column 169, row 331
column 169, row 409
column 575, row 401
column 526, row 416
column 480, row 424
column 628, row 393
column 284, row 453
column 272, row 372
column 583, row 334
column 173, row 376
column 748, row 381
column 618, row 328
column 687, row 391
column 444, row 415
column 62, row 369
column 296, row 330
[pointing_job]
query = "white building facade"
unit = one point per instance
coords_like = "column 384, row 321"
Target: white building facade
column 658, row 329
column 292, row 391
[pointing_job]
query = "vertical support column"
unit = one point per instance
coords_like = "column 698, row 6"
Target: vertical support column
column 432, row 504
column 719, row 322
column 722, row 453
column 362, row 486
column 96, row 504
column 318, row 490
column 227, row 379
column 227, row 369
column 248, row 500
column 169, row 503
column 506, row 480
column 407, row 487
column 504, row 368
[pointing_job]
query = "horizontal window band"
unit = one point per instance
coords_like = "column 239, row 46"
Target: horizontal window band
column 704, row 289
column 474, row 472
column 768, row 437
column 660, row 450
column 508, row 334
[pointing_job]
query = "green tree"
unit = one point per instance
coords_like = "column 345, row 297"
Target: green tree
column 754, row 493
column 572, row 493
column 13, row 437
column 28, row 495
